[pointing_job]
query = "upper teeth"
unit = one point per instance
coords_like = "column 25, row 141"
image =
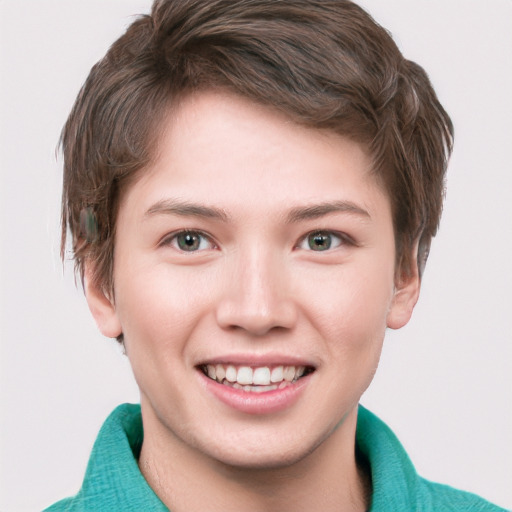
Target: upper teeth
column 261, row 376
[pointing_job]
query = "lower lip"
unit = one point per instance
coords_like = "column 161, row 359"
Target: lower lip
column 256, row 403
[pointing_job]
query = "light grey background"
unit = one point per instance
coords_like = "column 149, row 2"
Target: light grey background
column 444, row 384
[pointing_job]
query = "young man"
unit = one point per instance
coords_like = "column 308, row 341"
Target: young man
column 251, row 190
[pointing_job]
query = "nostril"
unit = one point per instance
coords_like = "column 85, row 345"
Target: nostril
column 242, row 315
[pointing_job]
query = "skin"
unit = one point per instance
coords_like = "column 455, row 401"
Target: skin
column 256, row 287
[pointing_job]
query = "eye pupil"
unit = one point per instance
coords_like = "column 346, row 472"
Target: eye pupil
column 188, row 241
column 319, row 241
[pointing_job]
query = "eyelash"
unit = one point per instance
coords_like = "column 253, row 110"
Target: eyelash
column 319, row 236
column 173, row 240
column 342, row 239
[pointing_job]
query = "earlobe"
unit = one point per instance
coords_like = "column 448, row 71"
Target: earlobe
column 406, row 294
column 101, row 306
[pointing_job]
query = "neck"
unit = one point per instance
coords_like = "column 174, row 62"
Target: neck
column 186, row 480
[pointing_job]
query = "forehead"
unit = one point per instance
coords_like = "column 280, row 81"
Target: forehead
column 220, row 148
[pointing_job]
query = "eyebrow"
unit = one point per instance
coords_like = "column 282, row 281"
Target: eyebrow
column 185, row 209
column 320, row 210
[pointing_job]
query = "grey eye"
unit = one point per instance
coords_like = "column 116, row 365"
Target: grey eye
column 321, row 241
column 191, row 241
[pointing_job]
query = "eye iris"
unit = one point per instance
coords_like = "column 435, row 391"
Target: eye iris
column 319, row 242
column 188, row 241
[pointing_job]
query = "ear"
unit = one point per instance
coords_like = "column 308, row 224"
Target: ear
column 101, row 306
column 406, row 294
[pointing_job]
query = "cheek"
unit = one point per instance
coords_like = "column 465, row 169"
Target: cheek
column 159, row 306
column 158, row 314
column 352, row 300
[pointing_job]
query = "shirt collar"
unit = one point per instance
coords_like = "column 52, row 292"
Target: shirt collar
column 113, row 475
column 394, row 478
column 116, row 452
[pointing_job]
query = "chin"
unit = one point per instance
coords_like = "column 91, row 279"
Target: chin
column 260, row 454
column 262, row 462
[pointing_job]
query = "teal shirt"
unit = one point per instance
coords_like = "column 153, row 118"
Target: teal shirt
column 113, row 481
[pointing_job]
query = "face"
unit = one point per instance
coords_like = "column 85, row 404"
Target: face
column 254, row 279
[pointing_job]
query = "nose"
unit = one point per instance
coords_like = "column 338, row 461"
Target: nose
column 257, row 297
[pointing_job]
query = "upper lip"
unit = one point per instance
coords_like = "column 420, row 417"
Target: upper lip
column 258, row 360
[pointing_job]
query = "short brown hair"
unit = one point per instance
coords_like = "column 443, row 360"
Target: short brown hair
column 324, row 63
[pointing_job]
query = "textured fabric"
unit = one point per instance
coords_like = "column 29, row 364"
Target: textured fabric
column 113, row 481
column 396, row 485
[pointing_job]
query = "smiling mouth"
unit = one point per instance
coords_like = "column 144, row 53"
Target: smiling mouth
column 255, row 379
